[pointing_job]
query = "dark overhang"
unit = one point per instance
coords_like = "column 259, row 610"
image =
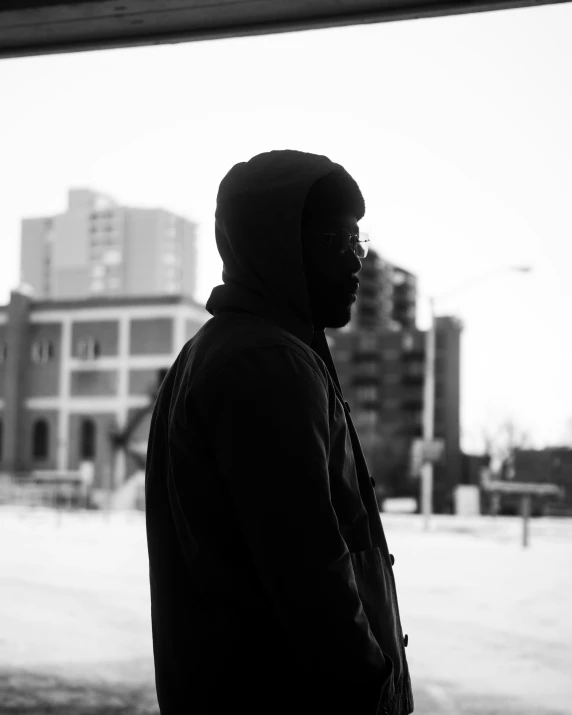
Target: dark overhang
column 37, row 27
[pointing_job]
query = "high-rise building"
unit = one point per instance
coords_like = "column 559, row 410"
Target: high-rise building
column 380, row 360
column 387, row 296
column 404, row 305
column 382, row 376
column 99, row 248
column 373, row 307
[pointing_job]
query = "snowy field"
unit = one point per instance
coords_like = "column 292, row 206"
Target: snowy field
column 489, row 622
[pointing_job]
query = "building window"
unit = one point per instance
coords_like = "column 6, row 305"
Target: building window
column 414, row 369
column 367, row 342
column 112, row 257
column 170, row 259
column 40, row 439
column 367, row 393
column 88, row 349
column 368, row 369
column 42, row 351
column 342, row 355
column 391, row 404
column 414, row 406
column 365, row 418
column 114, row 283
column 391, row 378
column 87, row 439
column 412, row 380
column 3, row 353
column 408, row 342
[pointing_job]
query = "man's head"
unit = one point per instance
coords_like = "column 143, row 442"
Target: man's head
column 272, row 215
column 331, row 271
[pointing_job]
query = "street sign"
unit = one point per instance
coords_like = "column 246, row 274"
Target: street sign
column 433, row 450
column 423, row 451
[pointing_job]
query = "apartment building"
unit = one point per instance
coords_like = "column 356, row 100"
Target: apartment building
column 387, row 298
column 99, row 248
column 382, row 376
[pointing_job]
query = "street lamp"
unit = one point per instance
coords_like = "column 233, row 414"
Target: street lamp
column 426, row 486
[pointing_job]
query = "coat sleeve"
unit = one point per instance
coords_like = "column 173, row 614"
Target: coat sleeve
column 268, row 413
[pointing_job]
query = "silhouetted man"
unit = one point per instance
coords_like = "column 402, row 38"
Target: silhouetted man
column 272, row 590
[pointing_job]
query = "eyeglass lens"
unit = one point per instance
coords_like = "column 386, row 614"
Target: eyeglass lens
column 351, row 241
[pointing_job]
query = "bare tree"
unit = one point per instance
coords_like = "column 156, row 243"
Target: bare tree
column 501, row 442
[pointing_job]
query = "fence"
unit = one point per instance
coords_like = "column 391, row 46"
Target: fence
column 58, row 490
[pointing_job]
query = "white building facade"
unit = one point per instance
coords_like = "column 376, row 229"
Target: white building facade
column 72, row 371
column 100, row 248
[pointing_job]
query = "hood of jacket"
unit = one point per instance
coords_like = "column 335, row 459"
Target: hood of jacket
column 258, row 234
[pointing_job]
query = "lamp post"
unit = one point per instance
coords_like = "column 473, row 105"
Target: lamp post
column 426, row 486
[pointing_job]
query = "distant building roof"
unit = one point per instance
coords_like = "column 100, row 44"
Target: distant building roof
column 110, row 302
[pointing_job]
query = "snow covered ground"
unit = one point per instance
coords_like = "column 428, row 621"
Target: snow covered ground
column 489, row 622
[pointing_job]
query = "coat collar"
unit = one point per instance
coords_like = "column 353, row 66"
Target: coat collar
column 233, row 297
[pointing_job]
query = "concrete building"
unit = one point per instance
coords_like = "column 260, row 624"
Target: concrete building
column 404, row 308
column 99, row 248
column 71, row 370
column 380, row 358
column 382, row 375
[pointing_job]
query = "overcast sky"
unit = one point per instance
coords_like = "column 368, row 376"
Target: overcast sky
column 457, row 130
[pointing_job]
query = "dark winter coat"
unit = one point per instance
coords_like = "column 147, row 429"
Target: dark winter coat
column 272, row 588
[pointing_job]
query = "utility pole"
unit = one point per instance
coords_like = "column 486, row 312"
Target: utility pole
column 428, row 418
column 426, row 486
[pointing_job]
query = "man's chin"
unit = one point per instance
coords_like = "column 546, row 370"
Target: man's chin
column 340, row 318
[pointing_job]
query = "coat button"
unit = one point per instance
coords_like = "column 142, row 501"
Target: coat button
column 392, row 559
column 406, row 640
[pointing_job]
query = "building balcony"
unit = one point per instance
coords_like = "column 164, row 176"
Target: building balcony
column 412, row 380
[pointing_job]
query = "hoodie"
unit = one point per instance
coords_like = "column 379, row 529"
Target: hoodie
column 272, row 587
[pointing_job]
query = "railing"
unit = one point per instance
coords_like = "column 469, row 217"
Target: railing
column 53, row 489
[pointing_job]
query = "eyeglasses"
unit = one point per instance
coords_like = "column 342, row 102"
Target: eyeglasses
column 343, row 240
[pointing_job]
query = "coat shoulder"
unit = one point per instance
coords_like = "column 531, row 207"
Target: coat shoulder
column 227, row 340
